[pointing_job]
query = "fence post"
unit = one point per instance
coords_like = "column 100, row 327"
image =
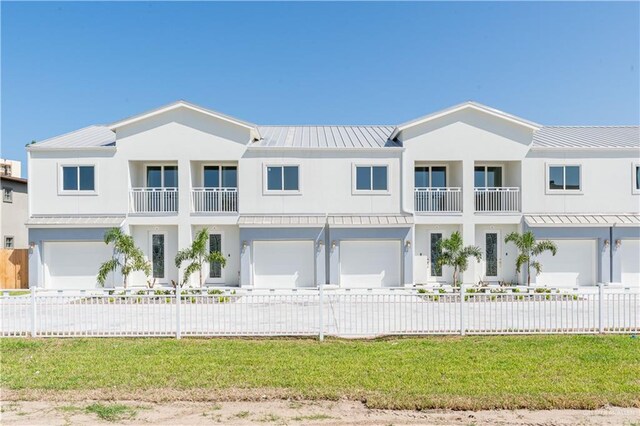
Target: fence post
column 34, row 317
column 320, row 313
column 600, row 307
column 463, row 290
column 178, row 297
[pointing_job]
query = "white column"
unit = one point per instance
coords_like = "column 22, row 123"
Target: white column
column 185, row 235
column 468, row 217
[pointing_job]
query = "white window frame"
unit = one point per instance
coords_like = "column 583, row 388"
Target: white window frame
column 13, row 242
column 354, row 179
column 634, row 190
column 166, row 243
column 562, row 191
column 265, row 180
column 62, row 191
column 162, row 166
column 7, row 195
column 486, row 174
column 430, row 166
column 220, row 166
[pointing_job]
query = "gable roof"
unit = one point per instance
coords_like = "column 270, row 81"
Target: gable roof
column 184, row 104
column 88, row 137
column 615, row 137
column 327, row 137
column 460, row 107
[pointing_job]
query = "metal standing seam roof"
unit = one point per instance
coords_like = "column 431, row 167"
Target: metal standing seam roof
column 84, row 221
column 369, row 220
column 325, row 137
column 282, row 220
column 92, row 136
column 587, row 137
column 632, row 219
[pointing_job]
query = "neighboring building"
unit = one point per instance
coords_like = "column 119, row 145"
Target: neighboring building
column 14, row 213
column 10, row 168
column 354, row 206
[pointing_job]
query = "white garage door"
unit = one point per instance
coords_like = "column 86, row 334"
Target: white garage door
column 574, row 264
column 630, row 262
column 370, row 264
column 283, row 264
column 74, row 265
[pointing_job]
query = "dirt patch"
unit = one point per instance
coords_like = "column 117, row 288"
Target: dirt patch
column 292, row 412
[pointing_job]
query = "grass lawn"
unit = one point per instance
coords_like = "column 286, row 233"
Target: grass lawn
column 410, row 373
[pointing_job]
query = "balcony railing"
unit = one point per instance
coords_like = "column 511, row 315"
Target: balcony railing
column 438, row 200
column 214, row 200
column 154, row 200
column 497, row 200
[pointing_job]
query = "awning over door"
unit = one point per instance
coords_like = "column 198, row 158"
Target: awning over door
column 583, row 220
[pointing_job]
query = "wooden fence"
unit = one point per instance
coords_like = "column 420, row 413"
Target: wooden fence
column 14, row 268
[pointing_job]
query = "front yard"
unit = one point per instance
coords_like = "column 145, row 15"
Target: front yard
column 536, row 372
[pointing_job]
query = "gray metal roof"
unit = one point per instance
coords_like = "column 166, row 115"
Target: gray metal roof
column 587, row 137
column 370, row 220
column 72, row 221
column 282, row 220
column 92, row 136
column 325, row 137
column 623, row 219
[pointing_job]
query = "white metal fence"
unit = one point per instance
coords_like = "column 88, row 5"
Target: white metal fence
column 502, row 199
column 318, row 312
column 440, row 200
column 215, row 200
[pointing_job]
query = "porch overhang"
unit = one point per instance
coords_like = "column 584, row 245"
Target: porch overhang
column 370, row 221
column 583, row 220
column 74, row 221
column 282, row 221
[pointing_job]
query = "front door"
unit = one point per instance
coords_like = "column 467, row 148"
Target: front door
column 435, row 270
column 492, row 257
column 215, row 269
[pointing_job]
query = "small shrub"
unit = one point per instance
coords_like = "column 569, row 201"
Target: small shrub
column 111, row 412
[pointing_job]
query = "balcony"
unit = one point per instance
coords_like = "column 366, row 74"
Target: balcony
column 438, row 200
column 497, row 200
column 214, row 200
column 153, row 200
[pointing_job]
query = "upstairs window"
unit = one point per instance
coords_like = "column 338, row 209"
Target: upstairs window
column 7, row 195
column 8, row 242
column 283, row 178
column 162, row 176
column 487, row 176
column 220, row 176
column 564, row 178
column 430, row 176
column 78, row 178
column 371, row 178
column 636, row 178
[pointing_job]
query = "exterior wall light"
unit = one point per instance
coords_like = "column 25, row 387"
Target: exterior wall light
column 245, row 244
column 320, row 244
column 618, row 243
column 407, row 245
column 606, row 243
column 334, row 244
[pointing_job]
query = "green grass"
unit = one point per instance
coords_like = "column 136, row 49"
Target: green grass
column 16, row 292
column 111, row 412
column 411, row 373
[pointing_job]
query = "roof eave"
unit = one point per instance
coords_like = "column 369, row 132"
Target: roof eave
column 35, row 147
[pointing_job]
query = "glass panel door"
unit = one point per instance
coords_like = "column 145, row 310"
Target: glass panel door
column 421, row 177
column 491, row 255
column 229, row 177
column 157, row 255
column 211, row 176
column 215, row 244
column 170, row 176
column 438, row 177
column 434, row 269
column 494, row 177
column 154, row 176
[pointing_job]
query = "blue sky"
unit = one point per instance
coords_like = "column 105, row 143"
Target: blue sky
column 69, row 65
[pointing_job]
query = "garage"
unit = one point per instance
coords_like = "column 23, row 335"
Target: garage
column 574, row 264
column 630, row 262
column 74, row 265
column 369, row 264
column 283, row 264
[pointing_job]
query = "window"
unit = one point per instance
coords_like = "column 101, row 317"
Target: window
column 636, row 178
column 157, row 255
column 220, row 176
column 78, row 178
column 564, row 178
column 8, row 242
column 371, row 178
column 5, row 169
column 487, row 176
column 162, row 176
column 7, row 195
column 430, row 177
column 283, row 178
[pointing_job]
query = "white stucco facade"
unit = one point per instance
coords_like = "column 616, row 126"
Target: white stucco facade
column 313, row 206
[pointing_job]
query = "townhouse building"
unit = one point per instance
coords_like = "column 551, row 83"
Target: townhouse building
column 350, row 206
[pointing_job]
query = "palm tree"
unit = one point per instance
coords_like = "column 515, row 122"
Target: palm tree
column 453, row 253
column 198, row 254
column 126, row 256
column 529, row 248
